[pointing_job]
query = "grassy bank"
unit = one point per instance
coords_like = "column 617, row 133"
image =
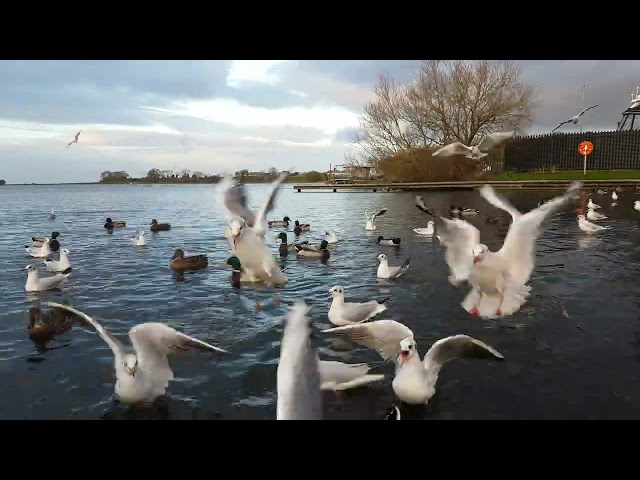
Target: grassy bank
column 571, row 175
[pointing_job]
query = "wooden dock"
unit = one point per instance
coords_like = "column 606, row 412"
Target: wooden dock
column 466, row 185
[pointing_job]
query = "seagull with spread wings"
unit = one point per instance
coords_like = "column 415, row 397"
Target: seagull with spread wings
column 246, row 231
column 415, row 380
column 574, row 119
column 142, row 371
column 75, row 140
column 475, row 152
column 498, row 279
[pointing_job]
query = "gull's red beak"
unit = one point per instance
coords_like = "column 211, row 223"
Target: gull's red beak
column 404, row 354
column 476, row 260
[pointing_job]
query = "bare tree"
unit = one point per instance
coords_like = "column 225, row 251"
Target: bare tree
column 448, row 101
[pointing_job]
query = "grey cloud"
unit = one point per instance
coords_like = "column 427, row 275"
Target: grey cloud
column 346, row 134
column 257, row 94
column 609, row 84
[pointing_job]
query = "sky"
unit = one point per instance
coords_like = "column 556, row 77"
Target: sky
column 218, row 116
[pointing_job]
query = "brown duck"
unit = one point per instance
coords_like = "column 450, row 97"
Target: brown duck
column 43, row 326
column 194, row 262
column 159, row 227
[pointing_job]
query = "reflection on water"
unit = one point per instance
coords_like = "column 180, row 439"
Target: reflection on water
column 570, row 353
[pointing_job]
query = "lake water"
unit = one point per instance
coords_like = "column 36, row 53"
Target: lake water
column 575, row 366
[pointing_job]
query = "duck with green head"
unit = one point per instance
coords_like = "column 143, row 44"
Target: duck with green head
column 285, row 247
column 236, row 274
column 306, row 250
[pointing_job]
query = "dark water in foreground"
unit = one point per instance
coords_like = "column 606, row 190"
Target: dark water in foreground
column 584, row 366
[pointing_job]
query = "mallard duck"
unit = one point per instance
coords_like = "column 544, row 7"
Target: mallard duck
column 468, row 211
column 301, row 227
column 194, row 262
column 391, row 242
column 110, row 224
column 285, row 247
column 306, row 250
column 45, row 325
column 159, row 227
column 54, row 245
column 236, row 273
column 279, row 223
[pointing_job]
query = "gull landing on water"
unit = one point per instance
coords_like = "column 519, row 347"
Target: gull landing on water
column 347, row 313
column 476, row 152
column 371, row 221
column 75, row 140
column 574, row 119
column 142, row 370
column 415, row 380
column 498, row 279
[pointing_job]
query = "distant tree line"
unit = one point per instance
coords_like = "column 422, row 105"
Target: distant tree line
column 155, row 175
column 2, row 182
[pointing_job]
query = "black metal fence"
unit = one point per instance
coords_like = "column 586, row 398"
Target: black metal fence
column 612, row 150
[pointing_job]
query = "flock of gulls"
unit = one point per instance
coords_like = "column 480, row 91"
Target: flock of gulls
column 497, row 282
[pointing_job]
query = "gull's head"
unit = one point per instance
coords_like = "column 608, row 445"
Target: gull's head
column 581, row 217
column 141, row 233
column 431, row 223
column 130, row 364
column 637, row 202
column 407, row 350
column 31, row 268
column 478, row 252
column 382, row 257
column 65, row 251
column 236, row 227
column 336, row 291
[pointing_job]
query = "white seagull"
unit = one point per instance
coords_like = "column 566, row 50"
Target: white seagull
column 593, row 206
column 415, row 380
column 298, row 376
column 40, row 252
column 347, row 313
column 614, row 196
column 338, row 376
column 139, row 240
column 371, row 221
column 37, row 284
column 246, row 231
column 588, row 227
column 575, row 118
column 142, row 370
column 593, row 215
column 429, row 230
column 475, row 152
column 75, row 140
column 385, row 271
column 61, row 265
column 498, row 279
column 636, row 205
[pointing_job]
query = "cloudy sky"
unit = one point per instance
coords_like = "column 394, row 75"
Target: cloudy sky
column 221, row 116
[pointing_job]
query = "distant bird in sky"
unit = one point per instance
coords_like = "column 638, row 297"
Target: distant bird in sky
column 75, row 140
column 574, row 120
column 475, row 152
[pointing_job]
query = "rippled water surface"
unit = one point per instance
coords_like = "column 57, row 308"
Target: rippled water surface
column 571, row 352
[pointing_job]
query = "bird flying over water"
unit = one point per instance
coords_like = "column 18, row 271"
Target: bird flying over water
column 574, row 119
column 476, row 152
column 75, row 140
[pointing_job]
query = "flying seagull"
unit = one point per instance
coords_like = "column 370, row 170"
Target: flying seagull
column 574, row 120
column 75, row 140
column 475, row 152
